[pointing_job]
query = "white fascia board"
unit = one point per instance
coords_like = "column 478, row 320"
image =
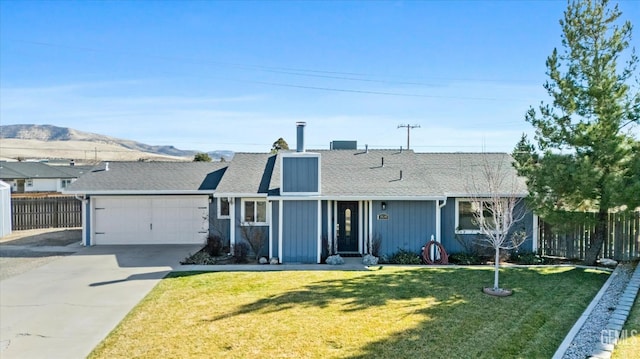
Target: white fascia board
column 359, row 198
column 138, row 192
column 239, row 195
column 486, row 195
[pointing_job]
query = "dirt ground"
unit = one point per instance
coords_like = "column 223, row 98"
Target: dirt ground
column 24, row 250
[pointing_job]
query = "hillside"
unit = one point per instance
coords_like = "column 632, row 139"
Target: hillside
column 52, row 142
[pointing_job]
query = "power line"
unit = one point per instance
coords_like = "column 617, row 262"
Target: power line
column 409, row 128
column 348, row 76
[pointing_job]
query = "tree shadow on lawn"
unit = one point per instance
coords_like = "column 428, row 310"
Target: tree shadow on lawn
column 458, row 319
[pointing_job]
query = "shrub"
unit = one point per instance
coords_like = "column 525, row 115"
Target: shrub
column 214, row 246
column 376, row 245
column 466, row 258
column 526, row 258
column 254, row 237
column 240, row 252
column 201, row 257
column 403, row 256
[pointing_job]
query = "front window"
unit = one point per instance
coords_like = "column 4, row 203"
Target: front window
column 65, row 182
column 254, row 211
column 223, row 208
column 470, row 213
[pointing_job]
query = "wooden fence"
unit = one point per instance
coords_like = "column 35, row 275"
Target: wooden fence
column 622, row 242
column 45, row 212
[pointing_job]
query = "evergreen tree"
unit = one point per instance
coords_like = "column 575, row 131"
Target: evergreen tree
column 280, row 144
column 587, row 156
column 202, row 157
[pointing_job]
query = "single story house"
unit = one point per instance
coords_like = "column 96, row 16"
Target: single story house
column 301, row 202
column 38, row 176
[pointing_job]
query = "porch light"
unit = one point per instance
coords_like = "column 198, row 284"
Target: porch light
column 383, row 205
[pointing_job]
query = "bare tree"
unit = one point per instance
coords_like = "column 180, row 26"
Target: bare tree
column 255, row 237
column 497, row 205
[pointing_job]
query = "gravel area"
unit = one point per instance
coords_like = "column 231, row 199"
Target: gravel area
column 22, row 251
column 589, row 335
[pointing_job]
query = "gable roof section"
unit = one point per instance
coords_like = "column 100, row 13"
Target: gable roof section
column 150, row 178
column 250, row 174
column 31, row 170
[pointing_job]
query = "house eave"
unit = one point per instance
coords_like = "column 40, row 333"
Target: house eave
column 358, row 198
column 139, row 192
column 239, row 195
column 486, row 195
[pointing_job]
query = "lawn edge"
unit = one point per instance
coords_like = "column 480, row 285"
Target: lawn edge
column 562, row 348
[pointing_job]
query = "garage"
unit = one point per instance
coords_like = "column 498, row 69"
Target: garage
column 164, row 219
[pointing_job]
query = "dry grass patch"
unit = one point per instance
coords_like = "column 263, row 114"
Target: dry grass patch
column 629, row 345
column 393, row 312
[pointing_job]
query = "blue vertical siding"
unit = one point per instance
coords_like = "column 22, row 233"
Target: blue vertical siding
column 448, row 228
column 300, row 232
column 218, row 227
column 300, row 174
column 325, row 230
column 410, row 225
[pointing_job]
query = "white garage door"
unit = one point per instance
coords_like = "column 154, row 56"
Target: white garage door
column 151, row 219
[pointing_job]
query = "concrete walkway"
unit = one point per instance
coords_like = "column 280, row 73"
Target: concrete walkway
column 65, row 308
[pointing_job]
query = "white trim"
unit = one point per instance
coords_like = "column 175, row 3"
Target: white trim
column 84, row 223
column 255, row 212
column 488, row 195
column 360, row 226
column 319, row 256
column 534, row 235
column 269, row 217
column 300, row 154
column 370, row 220
column 219, row 206
column 329, row 231
column 359, row 198
column 457, row 212
column 280, row 211
column 232, row 224
column 240, row 194
column 365, row 229
column 335, row 225
column 137, row 192
column 438, row 221
column 92, row 232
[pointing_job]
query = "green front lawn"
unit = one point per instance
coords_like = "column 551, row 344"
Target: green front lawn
column 389, row 313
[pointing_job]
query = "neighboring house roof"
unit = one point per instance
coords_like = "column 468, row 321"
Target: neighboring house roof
column 75, row 171
column 360, row 173
column 149, row 178
column 31, row 170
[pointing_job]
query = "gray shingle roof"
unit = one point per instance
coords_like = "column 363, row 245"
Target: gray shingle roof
column 361, row 174
column 150, row 177
column 31, row 170
column 249, row 173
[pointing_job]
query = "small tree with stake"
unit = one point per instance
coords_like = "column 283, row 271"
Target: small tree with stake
column 496, row 203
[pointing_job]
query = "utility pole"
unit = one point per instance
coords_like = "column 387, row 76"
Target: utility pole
column 408, row 127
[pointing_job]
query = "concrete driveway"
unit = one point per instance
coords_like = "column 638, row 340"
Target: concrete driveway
column 63, row 309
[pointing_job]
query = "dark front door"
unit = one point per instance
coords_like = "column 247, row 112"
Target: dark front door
column 347, row 226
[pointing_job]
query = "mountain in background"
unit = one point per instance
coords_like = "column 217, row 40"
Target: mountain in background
column 53, row 134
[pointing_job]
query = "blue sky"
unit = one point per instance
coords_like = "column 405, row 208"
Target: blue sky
column 237, row 75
